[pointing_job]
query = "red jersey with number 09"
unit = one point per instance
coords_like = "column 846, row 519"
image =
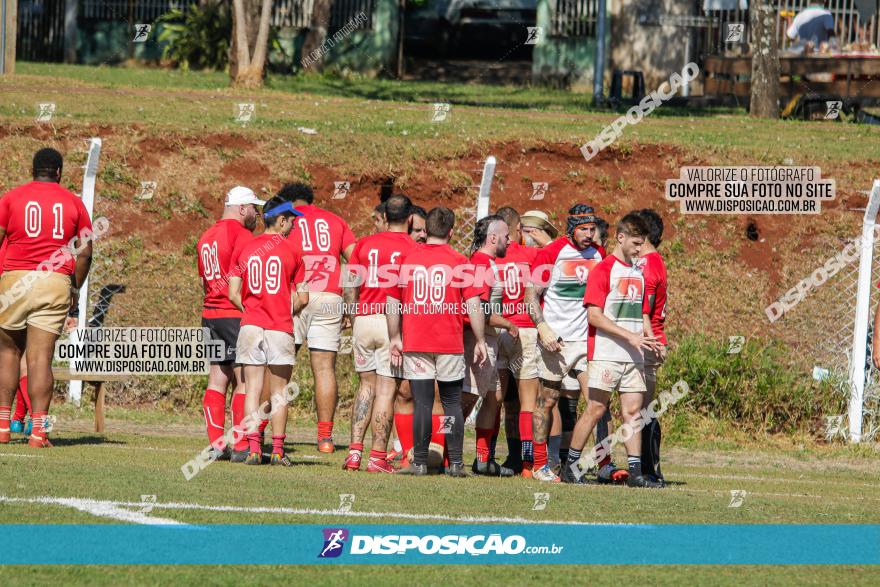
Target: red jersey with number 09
column 376, row 258
column 320, row 237
column 654, row 272
column 215, row 249
column 433, row 295
column 514, row 271
column 271, row 270
column 40, row 218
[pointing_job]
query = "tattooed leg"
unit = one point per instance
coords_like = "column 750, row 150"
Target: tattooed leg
column 383, row 411
column 363, row 407
column 547, row 398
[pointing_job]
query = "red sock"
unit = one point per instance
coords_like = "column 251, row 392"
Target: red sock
column 358, row 446
column 540, row 454
column 605, row 461
column 378, row 454
column 237, row 416
column 278, row 444
column 525, row 426
column 484, row 438
column 254, row 443
column 39, row 429
column 22, row 400
column 325, row 430
column 404, row 425
column 214, row 406
column 4, row 418
column 436, row 436
column 262, row 427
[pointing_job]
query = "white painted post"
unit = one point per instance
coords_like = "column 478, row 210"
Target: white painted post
column 485, row 188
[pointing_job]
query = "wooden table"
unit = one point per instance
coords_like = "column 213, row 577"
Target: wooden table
column 96, row 379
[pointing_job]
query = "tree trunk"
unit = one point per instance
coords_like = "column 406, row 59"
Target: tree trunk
column 250, row 38
column 318, row 29
column 764, row 101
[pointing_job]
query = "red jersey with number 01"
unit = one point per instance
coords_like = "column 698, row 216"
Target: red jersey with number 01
column 377, row 257
column 654, row 271
column 514, row 271
column 215, row 249
column 40, row 218
column 271, row 270
column 320, row 237
column 434, row 302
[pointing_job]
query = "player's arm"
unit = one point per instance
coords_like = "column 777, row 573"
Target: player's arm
column 300, row 298
column 477, row 318
column 392, row 318
column 347, row 251
column 548, row 338
column 235, row 292
column 499, row 321
column 600, row 321
column 81, row 271
column 875, row 346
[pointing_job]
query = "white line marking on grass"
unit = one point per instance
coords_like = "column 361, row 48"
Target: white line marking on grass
column 117, row 505
column 9, row 454
column 101, row 509
column 773, row 479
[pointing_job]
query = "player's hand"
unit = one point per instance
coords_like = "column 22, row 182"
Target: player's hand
column 481, row 353
column 661, row 351
column 641, row 341
column 513, row 331
column 548, row 338
column 396, row 352
column 70, row 323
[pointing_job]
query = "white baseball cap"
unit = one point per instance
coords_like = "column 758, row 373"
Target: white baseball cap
column 240, row 195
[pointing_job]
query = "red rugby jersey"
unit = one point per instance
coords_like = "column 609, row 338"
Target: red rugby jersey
column 433, row 293
column 514, row 271
column 215, row 249
column 320, row 237
column 40, row 218
column 377, row 257
column 654, row 272
column 271, row 270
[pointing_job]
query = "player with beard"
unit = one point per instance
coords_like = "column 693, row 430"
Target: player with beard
column 417, row 229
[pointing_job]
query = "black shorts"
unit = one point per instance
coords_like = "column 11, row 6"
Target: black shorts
column 225, row 330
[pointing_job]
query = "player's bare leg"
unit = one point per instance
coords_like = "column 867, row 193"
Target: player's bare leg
column 40, row 350
column 326, row 395
column 361, row 412
column 403, row 419
column 12, row 344
column 279, row 376
column 546, row 400
column 382, row 422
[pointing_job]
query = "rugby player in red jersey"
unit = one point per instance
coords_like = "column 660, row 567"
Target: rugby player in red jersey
column 425, row 324
column 654, row 273
column 222, row 319
column 269, row 291
column 615, row 303
column 44, row 224
column 374, row 256
column 324, row 240
column 559, row 277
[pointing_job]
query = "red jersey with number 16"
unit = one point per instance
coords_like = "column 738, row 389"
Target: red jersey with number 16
column 40, row 218
column 377, row 257
column 433, row 294
column 320, row 237
column 271, row 272
column 215, row 250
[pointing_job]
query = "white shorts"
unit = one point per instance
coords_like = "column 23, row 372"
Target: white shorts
column 519, row 354
column 437, row 366
column 480, row 379
column 617, row 376
column 258, row 346
column 555, row 366
column 570, row 383
column 372, row 346
column 320, row 322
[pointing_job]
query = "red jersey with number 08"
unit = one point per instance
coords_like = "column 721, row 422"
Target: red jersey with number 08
column 215, row 250
column 433, row 304
column 40, row 218
column 514, row 271
column 320, row 237
column 654, row 272
column 271, row 270
column 376, row 259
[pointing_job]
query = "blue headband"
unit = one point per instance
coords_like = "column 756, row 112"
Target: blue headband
column 285, row 207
